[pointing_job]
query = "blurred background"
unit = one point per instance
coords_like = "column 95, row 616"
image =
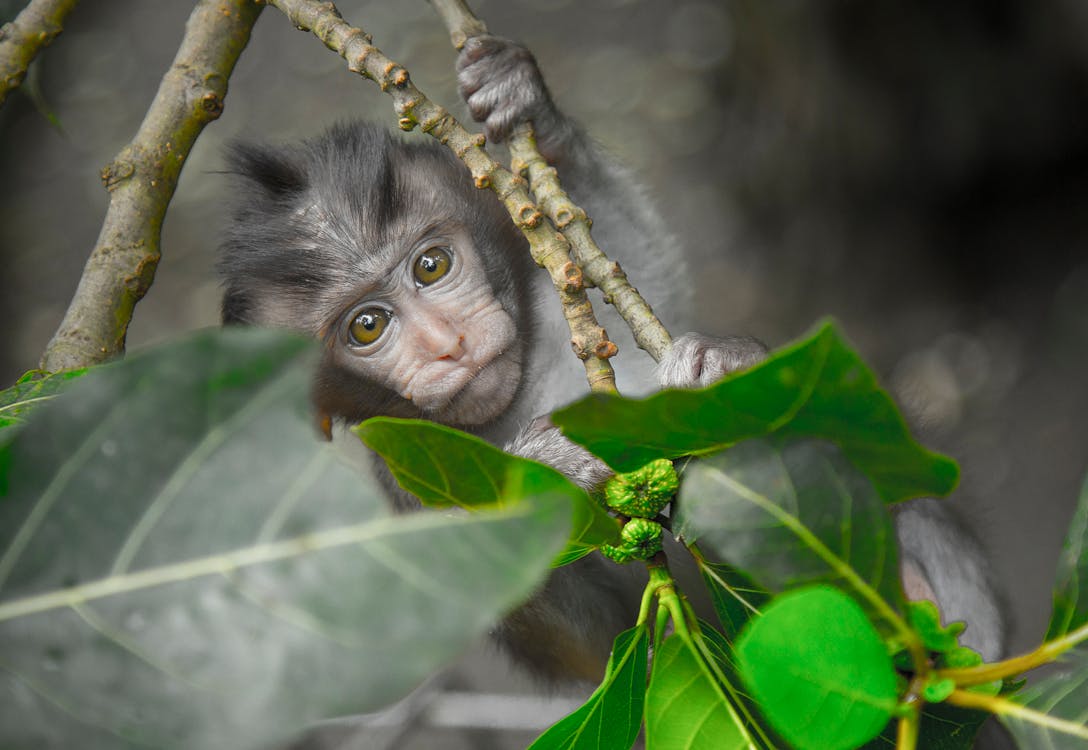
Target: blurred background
column 918, row 170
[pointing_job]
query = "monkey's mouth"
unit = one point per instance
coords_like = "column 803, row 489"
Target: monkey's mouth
column 471, row 393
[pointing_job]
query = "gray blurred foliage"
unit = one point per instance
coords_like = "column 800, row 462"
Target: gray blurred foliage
column 917, row 169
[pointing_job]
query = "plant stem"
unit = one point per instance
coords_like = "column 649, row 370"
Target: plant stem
column 1004, row 707
column 570, row 219
column 141, row 181
column 907, row 735
column 36, row 26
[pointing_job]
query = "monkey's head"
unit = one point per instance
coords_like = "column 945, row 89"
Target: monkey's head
column 415, row 281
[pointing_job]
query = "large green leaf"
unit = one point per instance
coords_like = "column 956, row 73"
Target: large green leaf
column 1055, row 709
column 819, row 670
column 612, row 716
column 791, row 515
column 445, row 467
column 686, row 709
column 1071, row 582
column 818, row 387
column 184, row 564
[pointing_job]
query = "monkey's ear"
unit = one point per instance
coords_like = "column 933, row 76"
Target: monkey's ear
column 277, row 171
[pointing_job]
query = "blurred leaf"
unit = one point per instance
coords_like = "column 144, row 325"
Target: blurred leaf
column 1056, row 708
column 818, row 388
column 612, row 716
column 819, row 670
column 184, row 564
column 1071, row 582
column 686, row 709
column 33, row 389
column 791, row 515
column 445, row 467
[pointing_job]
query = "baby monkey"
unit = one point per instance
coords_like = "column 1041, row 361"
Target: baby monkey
column 428, row 305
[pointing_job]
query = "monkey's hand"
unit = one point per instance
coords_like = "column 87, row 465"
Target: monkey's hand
column 542, row 441
column 502, row 86
column 695, row 360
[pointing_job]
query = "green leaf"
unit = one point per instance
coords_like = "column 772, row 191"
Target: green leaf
column 445, row 467
column 818, row 387
column 33, row 389
column 792, row 515
column 183, row 563
column 686, row 708
column 1054, row 708
column 819, row 670
column 612, row 716
column 735, row 596
column 1071, row 583
column 925, row 618
column 943, row 727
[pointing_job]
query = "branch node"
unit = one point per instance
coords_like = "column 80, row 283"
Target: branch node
column 606, row 349
column 573, row 275
column 529, row 216
column 116, row 172
column 212, row 104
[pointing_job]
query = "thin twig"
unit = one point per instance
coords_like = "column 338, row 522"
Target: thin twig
column 569, row 218
column 141, row 181
column 36, row 26
column 549, row 248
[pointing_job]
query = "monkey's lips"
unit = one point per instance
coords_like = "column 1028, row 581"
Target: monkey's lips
column 469, row 393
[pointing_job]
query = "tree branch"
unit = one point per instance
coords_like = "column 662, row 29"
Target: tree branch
column 570, row 219
column 141, row 181
column 548, row 247
column 36, row 26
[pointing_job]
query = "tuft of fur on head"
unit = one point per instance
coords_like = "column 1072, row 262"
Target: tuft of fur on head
column 314, row 220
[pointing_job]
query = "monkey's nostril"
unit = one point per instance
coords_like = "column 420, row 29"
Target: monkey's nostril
column 456, row 350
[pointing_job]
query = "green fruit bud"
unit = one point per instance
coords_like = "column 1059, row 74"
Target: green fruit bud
column 936, row 691
column 644, row 492
column 619, row 555
column 640, row 539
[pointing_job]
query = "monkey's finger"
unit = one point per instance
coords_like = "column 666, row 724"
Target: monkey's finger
column 479, row 47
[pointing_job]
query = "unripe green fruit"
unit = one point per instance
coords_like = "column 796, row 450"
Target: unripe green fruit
column 640, row 539
column 644, row 492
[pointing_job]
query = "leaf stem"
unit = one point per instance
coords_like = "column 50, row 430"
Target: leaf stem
column 1003, row 707
column 907, row 735
column 1044, row 654
column 647, row 600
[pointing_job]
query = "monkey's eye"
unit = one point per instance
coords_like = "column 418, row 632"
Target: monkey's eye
column 431, row 266
column 368, row 325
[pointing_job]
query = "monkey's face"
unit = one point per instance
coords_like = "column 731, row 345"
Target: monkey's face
column 432, row 331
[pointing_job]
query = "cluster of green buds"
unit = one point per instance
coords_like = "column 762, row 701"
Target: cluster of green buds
column 640, row 495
